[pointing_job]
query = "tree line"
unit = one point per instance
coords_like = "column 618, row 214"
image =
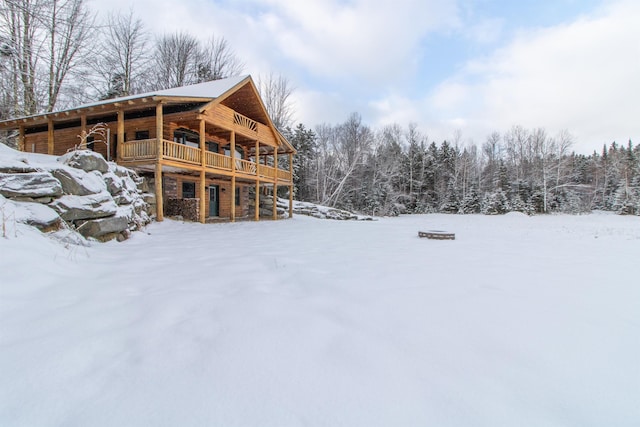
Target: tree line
column 57, row 53
column 396, row 170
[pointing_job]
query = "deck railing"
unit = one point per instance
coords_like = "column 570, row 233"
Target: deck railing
column 183, row 153
column 284, row 174
column 217, row 161
column 146, row 149
column 266, row 171
column 143, row 149
column 245, row 166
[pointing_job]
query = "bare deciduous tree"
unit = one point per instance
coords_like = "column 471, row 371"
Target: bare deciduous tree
column 175, row 60
column 217, row 60
column 276, row 91
column 68, row 30
column 124, row 57
column 45, row 41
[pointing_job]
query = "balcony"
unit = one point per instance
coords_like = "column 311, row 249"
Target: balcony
column 145, row 151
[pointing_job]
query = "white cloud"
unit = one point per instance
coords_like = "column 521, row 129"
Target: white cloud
column 581, row 76
column 361, row 39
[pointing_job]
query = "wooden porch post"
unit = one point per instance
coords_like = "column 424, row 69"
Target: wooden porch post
column 21, row 138
column 50, row 140
column 257, row 195
column 275, row 183
column 158, row 174
column 291, row 185
column 83, row 128
column 203, row 205
column 120, row 132
column 233, row 176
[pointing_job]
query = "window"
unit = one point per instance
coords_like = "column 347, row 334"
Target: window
column 91, row 143
column 186, row 137
column 188, row 190
column 142, row 134
column 237, row 196
column 213, row 147
column 239, row 152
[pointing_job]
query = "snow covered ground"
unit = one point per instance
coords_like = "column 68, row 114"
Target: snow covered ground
column 518, row 322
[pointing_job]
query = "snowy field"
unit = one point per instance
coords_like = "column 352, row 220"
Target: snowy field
column 518, row 322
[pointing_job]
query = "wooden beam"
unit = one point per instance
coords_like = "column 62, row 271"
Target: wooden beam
column 158, row 175
column 83, row 129
column 291, row 185
column 21, row 138
column 291, row 168
column 159, row 201
column 203, row 214
column 257, row 199
column 120, row 137
column 291, row 201
column 275, row 183
column 50, row 137
column 233, row 176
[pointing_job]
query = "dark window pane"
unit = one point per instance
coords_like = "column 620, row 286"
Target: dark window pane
column 188, row 190
column 142, row 134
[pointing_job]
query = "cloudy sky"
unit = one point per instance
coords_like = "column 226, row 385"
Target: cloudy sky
column 452, row 67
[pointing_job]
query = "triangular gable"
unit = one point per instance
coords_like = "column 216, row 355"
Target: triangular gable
column 246, row 100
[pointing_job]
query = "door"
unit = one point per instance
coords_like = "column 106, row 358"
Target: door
column 214, row 202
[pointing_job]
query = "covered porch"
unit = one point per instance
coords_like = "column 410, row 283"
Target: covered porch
column 231, row 148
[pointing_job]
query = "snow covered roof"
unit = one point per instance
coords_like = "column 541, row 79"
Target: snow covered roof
column 207, row 91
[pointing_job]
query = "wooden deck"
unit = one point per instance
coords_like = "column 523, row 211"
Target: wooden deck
column 191, row 158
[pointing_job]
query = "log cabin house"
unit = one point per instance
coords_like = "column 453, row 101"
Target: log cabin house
column 204, row 148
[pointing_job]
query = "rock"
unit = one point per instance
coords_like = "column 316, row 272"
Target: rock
column 123, row 236
column 43, row 200
column 102, row 226
column 35, row 214
column 74, row 208
column 124, row 198
column 149, row 198
column 130, row 185
column 139, row 205
column 16, row 166
column 86, row 160
column 31, row 184
column 78, row 182
column 114, row 183
column 119, row 171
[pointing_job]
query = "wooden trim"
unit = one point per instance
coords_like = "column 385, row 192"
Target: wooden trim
column 120, row 132
column 83, row 129
column 233, row 175
column 275, row 184
column 159, row 201
column 291, row 185
column 203, row 205
column 225, row 95
column 291, row 201
column 257, row 196
column 159, row 131
column 21, row 138
column 50, row 137
column 203, row 186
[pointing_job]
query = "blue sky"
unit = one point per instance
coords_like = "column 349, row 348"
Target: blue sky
column 451, row 67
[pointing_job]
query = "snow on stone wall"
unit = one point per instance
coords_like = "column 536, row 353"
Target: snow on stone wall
column 79, row 190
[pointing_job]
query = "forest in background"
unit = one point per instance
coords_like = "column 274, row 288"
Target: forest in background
column 392, row 170
column 55, row 54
